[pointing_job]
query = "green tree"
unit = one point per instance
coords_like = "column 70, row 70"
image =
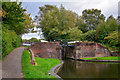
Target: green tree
column 110, row 17
column 113, row 38
column 101, row 32
column 105, row 29
column 75, row 33
column 28, row 25
column 48, row 22
column 112, row 24
column 15, row 17
column 92, row 17
column 90, row 35
column 56, row 23
column 81, row 25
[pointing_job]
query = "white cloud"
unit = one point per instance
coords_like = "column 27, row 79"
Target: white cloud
column 30, row 35
column 37, row 35
column 108, row 7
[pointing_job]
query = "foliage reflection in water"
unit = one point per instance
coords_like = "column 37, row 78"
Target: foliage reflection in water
column 80, row 69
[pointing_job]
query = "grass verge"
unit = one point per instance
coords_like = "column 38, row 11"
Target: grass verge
column 39, row 71
column 102, row 58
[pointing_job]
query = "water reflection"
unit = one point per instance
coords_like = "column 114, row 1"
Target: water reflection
column 79, row 69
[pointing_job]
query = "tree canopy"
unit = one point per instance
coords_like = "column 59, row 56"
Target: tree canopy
column 14, row 15
column 92, row 17
column 55, row 22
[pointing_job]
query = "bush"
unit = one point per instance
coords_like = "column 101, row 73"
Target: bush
column 88, row 36
column 10, row 40
column 74, row 34
column 113, row 38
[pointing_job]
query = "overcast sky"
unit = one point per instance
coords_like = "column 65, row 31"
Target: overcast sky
column 108, row 7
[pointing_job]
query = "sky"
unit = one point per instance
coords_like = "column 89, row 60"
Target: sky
column 108, row 7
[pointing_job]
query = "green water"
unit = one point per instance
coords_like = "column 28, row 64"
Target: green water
column 80, row 69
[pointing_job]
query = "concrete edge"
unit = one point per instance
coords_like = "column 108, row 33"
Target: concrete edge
column 113, row 61
column 53, row 71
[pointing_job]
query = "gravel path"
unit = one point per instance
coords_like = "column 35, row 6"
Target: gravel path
column 11, row 66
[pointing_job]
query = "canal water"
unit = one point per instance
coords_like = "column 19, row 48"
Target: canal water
column 80, row 69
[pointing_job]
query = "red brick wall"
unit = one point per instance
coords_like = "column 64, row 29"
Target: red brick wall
column 46, row 50
column 81, row 49
column 87, row 49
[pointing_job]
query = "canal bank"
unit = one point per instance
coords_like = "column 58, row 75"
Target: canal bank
column 55, row 70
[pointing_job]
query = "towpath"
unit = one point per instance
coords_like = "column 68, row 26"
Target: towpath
column 11, row 66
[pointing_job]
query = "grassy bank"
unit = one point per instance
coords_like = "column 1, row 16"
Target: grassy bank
column 102, row 58
column 39, row 71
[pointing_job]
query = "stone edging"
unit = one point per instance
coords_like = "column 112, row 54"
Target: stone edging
column 115, row 61
column 55, row 69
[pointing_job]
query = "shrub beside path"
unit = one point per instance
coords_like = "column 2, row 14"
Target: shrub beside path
column 11, row 66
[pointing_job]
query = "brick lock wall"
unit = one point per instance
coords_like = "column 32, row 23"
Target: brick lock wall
column 46, row 50
column 69, row 52
column 81, row 49
column 87, row 49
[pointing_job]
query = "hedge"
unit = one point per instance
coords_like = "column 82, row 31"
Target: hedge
column 10, row 40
